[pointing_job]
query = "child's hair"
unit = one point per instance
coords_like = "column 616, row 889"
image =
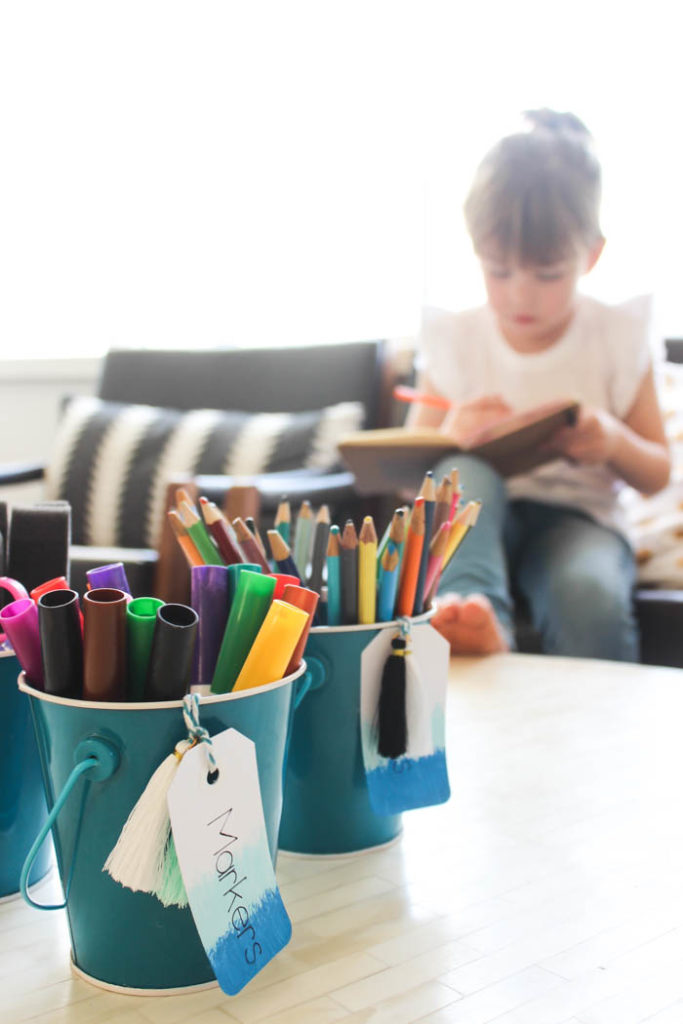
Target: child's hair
column 536, row 194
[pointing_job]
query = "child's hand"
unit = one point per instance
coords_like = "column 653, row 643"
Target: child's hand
column 593, row 439
column 467, row 418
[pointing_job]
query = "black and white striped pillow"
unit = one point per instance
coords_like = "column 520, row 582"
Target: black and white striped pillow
column 112, row 461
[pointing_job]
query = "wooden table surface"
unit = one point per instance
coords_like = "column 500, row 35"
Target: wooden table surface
column 549, row 890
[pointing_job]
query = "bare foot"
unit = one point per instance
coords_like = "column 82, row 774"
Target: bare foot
column 469, row 624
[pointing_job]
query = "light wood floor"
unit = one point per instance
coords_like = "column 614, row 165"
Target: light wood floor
column 549, row 890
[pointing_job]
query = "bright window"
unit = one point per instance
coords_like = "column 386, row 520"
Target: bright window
column 245, row 173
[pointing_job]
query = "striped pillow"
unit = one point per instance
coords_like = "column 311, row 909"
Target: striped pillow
column 112, row 461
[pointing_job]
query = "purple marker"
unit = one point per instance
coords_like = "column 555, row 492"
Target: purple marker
column 111, row 576
column 209, row 598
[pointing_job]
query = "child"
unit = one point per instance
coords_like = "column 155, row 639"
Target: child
column 553, row 535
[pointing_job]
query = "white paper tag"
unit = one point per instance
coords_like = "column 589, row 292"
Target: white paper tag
column 419, row 777
column 222, row 847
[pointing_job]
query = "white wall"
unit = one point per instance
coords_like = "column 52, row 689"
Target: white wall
column 31, row 392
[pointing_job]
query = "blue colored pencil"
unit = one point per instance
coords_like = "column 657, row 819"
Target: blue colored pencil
column 388, row 582
column 334, row 615
column 281, row 554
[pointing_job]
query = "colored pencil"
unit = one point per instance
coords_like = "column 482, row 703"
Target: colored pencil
column 187, row 545
column 348, row 563
column 334, row 611
column 367, row 576
column 302, row 535
column 457, row 493
column 442, row 512
column 220, row 530
column 282, row 554
column 428, row 493
column 437, row 550
column 194, row 525
column 250, row 522
column 182, row 495
column 388, row 582
column 459, row 528
column 406, row 394
column 247, row 542
column 398, row 513
column 320, row 537
column 410, row 568
column 283, row 519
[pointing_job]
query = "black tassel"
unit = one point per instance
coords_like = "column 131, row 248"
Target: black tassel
column 391, row 719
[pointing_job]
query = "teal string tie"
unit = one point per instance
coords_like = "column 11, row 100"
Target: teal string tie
column 196, row 733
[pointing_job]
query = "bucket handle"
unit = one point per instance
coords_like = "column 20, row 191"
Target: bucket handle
column 92, row 755
column 315, row 675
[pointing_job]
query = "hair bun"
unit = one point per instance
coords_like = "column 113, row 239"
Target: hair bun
column 561, row 123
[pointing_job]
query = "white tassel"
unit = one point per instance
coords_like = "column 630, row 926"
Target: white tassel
column 137, row 860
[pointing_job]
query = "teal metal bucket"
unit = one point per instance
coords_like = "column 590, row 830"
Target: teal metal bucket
column 326, row 807
column 121, row 939
column 22, row 799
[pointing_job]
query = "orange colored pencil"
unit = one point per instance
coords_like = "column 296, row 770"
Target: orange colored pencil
column 412, row 554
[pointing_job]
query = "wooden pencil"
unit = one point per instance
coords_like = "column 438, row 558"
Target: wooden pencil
column 466, row 519
column 428, row 493
column 253, row 528
column 442, row 512
column 247, row 542
column 194, row 525
column 411, row 559
column 283, row 519
column 437, row 550
column 186, row 543
column 457, row 493
column 183, row 495
column 388, row 582
column 459, row 527
column 334, row 616
column 348, row 559
column 218, row 527
column 367, row 574
column 399, row 515
column 320, row 538
column 282, row 554
column 302, row 535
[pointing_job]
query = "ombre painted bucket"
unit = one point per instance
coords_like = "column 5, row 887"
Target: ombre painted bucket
column 22, row 798
column 120, row 939
column 326, row 808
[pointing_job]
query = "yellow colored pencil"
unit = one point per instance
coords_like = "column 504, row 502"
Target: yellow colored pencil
column 367, row 572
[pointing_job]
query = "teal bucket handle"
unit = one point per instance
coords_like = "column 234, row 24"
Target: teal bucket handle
column 302, row 686
column 316, row 673
column 93, row 755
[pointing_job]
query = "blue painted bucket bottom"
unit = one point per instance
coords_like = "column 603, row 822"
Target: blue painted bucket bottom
column 22, row 797
column 327, row 809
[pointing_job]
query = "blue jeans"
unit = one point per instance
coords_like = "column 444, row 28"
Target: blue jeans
column 576, row 576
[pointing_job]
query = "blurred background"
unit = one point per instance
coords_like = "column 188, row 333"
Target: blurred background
column 228, row 173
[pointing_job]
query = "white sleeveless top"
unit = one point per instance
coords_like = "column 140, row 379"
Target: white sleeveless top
column 600, row 361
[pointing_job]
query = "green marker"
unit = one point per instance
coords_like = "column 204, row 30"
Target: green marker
column 141, row 617
column 253, row 598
